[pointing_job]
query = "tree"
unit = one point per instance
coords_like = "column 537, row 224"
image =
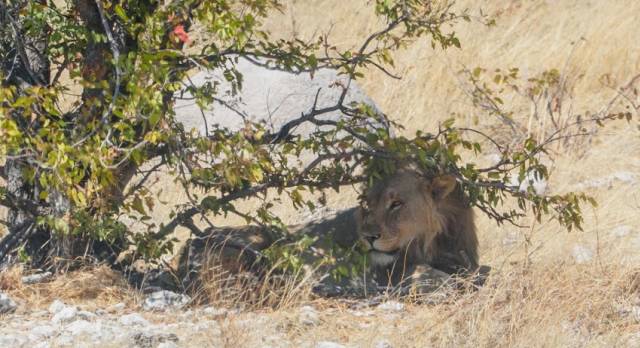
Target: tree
column 67, row 166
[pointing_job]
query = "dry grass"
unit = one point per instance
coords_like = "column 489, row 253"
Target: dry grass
column 539, row 296
column 97, row 287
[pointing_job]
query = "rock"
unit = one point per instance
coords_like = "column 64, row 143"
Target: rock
column 65, row 315
column 7, row 305
column 214, row 311
column 37, row 278
column 82, row 327
column 133, row 319
column 41, row 332
column 329, row 344
column 391, row 306
column 151, row 340
column 43, row 344
column 308, row 316
column 269, row 96
column 582, row 254
column 116, row 307
column 86, row 315
column 162, row 300
column 621, row 231
column 167, row 345
column 56, row 306
column 383, row 344
column 10, row 341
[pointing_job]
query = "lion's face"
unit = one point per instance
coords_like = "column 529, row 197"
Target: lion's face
column 400, row 217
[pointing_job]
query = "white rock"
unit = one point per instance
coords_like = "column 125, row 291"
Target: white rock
column 6, row 304
column 41, row 332
column 391, row 306
column 621, row 231
column 86, row 315
column 168, row 344
column 308, row 316
column 43, row 344
column 214, row 311
column 328, row 344
column 116, row 307
column 82, row 327
column 10, row 341
column 582, row 254
column 133, row 319
column 161, row 300
column 383, row 344
column 64, row 341
column 65, row 315
column 37, row 278
column 56, row 306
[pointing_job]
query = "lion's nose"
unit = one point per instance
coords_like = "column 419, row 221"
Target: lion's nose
column 372, row 238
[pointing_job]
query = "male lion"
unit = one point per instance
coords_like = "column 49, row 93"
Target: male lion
column 408, row 221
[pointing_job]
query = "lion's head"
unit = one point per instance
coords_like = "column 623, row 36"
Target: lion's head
column 410, row 218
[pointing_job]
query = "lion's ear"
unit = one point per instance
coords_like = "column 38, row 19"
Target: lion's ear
column 442, row 186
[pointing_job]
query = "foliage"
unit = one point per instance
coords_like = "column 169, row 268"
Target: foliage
column 131, row 58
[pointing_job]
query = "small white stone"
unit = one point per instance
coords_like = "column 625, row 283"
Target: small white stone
column 328, row 344
column 10, row 341
column 391, row 306
column 37, row 278
column 65, row 315
column 133, row 319
column 43, row 331
column 116, row 307
column 582, row 254
column 81, row 327
column 56, row 306
column 621, row 231
column 86, row 315
column 214, row 311
column 168, row 344
column 6, row 304
column 383, row 344
column 161, row 300
column 308, row 316
column 43, row 344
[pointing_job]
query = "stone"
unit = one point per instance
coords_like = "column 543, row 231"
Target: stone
column 167, row 345
column 116, row 307
column 10, row 341
column 133, row 319
column 391, row 306
column 621, row 231
column 37, row 278
column 162, row 300
column 66, row 314
column 329, row 344
column 86, row 315
column 82, row 327
column 308, row 316
column 582, row 254
column 214, row 311
column 151, row 340
column 42, row 332
column 7, row 305
column 270, row 96
column 56, row 306
column 383, row 344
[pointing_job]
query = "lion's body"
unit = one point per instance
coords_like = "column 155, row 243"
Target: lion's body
column 411, row 220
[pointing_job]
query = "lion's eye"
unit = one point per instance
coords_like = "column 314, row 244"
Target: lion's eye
column 395, row 205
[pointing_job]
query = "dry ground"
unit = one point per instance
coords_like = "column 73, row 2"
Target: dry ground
column 550, row 287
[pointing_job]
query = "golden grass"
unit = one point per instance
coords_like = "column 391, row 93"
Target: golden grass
column 96, row 287
column 538, row 295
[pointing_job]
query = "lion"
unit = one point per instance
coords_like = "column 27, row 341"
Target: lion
column 408, row 221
